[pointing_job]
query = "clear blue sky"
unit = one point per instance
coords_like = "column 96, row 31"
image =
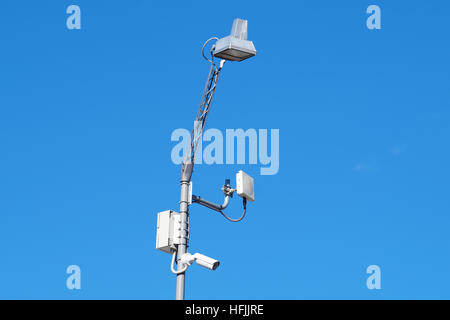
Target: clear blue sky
column 364, row 118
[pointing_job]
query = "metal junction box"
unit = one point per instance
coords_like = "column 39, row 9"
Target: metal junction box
column 169, row 231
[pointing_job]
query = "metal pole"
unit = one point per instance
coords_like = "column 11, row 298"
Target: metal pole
column 186, row 173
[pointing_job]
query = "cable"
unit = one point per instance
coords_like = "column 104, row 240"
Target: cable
column 204, row 45
column 243, row 214
column 173, row 263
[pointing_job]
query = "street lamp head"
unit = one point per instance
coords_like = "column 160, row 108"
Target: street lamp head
column 236, row 47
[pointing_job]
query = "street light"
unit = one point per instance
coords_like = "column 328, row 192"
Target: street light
column 236, row 47
column 173, row 227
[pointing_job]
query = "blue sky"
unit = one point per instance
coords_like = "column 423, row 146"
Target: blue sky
column 364, row 117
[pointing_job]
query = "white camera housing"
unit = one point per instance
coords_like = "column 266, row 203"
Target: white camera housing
column 245, row 186
column 201, row 260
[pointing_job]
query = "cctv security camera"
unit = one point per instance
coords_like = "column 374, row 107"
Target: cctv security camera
column 201, row 260
column 206, row 262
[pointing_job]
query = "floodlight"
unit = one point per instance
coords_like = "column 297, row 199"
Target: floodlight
column 235, row 47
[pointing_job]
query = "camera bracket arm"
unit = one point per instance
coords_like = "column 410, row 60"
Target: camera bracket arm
column 210, row 205
column 227, row 191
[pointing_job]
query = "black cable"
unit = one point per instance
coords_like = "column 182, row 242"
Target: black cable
column 243, row 214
